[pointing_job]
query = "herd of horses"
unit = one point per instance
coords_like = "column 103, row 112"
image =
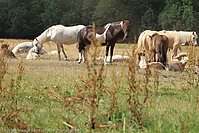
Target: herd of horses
column 151, row 42
column 158, row 42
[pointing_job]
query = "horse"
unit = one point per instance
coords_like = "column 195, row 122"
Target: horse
column 159, row 47
column 60, row 35
column 5, row 52
column 32, row 55
column 176, row 38
column 144, row 43
column 106, row 36
column 24, row 47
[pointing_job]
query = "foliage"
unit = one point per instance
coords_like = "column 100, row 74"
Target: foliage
column 28, row 19
column 178, row 16
column 148, row 19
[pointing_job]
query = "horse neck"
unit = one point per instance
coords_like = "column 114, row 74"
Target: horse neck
column 117, row 31
column 43, row 37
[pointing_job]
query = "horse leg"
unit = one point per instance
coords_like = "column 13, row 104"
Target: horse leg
column 107, row 50
column 159, row 57
column 80, row 57
column 63, row 51
column 84, row 57
column 112, row 48
column 58, row 50
column 154, row 56
column 175, row 49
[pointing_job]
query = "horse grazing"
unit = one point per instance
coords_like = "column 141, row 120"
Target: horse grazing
column 159, row 47
column 60, row 35
column 5, row 52
column 108, row 36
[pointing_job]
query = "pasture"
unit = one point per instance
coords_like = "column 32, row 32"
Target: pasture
column 50, row 95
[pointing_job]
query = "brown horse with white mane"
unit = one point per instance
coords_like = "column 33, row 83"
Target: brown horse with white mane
column 108, row 35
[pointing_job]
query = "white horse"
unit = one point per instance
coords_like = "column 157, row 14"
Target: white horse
column 60, row 35
column 32, row 55
column 24, row 47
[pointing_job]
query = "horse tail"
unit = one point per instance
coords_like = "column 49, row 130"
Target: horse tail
column 78, row 38
column 163, row 51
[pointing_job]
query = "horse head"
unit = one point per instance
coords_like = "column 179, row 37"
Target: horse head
column 38, row 46
column 125, row 24
column 194, row 38
column 4, row 46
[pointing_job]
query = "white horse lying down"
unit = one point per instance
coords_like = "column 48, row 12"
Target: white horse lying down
column 24, row 47
column 115, row 58
column 60, row 35
column 32, row 55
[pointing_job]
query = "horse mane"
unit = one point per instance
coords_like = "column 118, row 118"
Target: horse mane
column 153, row 35
column 111, row 23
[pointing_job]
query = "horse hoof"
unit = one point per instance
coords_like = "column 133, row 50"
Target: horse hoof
column 66, row 59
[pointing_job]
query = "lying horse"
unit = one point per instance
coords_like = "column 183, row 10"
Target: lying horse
column 159, row 47
column 107, row 36
column 5, row 52
column 32, row 55
column 60, row 35
column 24, row 47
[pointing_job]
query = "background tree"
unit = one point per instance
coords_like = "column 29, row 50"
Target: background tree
column 29, row 18
column 88, row 9
column 149, row 20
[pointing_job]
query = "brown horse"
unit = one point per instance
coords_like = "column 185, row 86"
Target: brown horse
column 159, row 47
column 5, row 52
column 108, row 36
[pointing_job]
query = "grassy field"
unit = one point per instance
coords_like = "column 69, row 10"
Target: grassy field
column 48, row 95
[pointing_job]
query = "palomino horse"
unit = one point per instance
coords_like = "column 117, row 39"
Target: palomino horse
column 176, row 38
column 108, row 36
column 159, row 47
column 5, row 52
column 60, row 35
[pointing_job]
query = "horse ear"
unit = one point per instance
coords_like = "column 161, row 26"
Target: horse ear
column 150, row 36
column 193, row 33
